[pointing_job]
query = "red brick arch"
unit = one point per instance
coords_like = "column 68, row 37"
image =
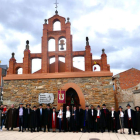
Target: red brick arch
column 79, row 92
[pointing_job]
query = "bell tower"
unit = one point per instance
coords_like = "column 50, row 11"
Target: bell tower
column 48, row 33
column 68, row 53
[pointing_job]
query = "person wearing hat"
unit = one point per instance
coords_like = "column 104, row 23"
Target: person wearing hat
column 40, row 117
column 21, row 116
column 129, row 118
column 33, row 119
column 80, row 118
column 93, row 118
column 137, row 114
column 105, row 111
column 27, row 117
column 86, row 120
column 120, row 120
column 100, row 120
column 48, row 117
column 54, row 119
column 11, row 118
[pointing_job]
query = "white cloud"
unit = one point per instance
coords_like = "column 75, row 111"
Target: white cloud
column 90, row 17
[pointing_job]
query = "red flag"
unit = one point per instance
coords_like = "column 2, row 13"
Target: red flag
column 95, row 68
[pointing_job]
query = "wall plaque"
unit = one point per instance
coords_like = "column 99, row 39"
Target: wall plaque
column 46, row 98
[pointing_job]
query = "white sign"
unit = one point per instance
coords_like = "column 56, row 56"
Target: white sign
column 46, row 98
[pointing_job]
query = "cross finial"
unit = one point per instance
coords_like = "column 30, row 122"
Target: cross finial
column 56, row 5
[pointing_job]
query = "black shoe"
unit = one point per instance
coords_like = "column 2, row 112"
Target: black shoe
column 129, row 133
column 22, row 131
column 19, row 130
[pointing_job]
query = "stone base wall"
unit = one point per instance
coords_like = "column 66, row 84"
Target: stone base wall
column 96, row 90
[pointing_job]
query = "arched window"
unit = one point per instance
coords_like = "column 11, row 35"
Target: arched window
column 52, row 60
column 56, row 25
column 20, row 71
column 51, row 44
column 79, row 64
column 62, row 44
column 36, row 65
column 96, row 68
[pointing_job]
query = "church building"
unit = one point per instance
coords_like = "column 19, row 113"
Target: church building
column 88, row 87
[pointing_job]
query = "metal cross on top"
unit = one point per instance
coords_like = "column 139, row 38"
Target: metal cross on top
column 56, row 5
column 62, row 44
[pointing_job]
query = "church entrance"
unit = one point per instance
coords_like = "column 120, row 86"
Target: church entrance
column 71, row 98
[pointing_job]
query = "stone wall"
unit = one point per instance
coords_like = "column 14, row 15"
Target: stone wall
column 136, row 97
column 96, row 90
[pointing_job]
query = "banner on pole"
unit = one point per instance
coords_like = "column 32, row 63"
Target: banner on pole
column 62, row 96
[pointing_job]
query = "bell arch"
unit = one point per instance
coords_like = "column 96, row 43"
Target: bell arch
column 56, row 25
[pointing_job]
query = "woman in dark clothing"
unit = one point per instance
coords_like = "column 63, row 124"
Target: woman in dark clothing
column 137, row 114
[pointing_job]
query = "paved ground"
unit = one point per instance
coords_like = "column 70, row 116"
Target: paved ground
column 15, row 135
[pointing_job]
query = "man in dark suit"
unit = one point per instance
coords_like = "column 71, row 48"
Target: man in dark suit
column 21, row 116
column 93, row 118
column 105, row 113
column 75, row 119
column 129, row 118
column 27, row 117
column 48, row 117
column 80, row 118
column 113, row 120
column 86, row 120
column 33, row 119
column 40, row 117
column 100, row 120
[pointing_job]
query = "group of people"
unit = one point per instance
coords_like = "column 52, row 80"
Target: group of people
column 70, row 119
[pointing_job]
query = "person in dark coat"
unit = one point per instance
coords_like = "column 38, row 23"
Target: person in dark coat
column 105, row 111
column 27, row 117
column 21, row 116
column 11, row 118
column 137, row 114
column 113, row 120
column 48, row 118
column 33, row 119
column 74, row 120
column 54, row 119
column 93, row 118
column 40, row 118
column 120, row 120
column 86, row 120
column 80, row 118
column 100, row 120
column 129, row 117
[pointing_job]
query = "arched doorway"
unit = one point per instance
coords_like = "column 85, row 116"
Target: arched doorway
column 78, row 91
column 71, row 95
